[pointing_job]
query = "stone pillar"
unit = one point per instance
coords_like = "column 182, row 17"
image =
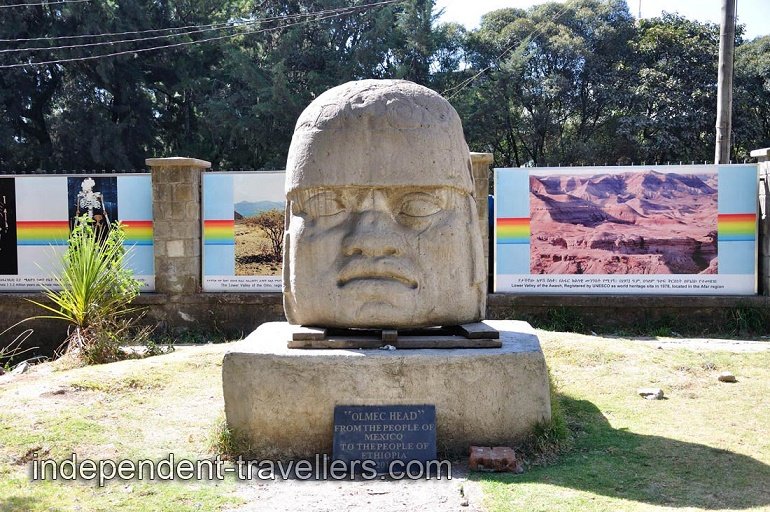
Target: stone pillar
column 481, row 163
column 763, row 157
column 176, row 212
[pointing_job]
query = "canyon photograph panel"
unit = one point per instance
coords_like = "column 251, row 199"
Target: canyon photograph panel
column 634, row 222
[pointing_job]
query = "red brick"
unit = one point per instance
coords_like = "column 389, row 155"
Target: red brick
column 499, row 458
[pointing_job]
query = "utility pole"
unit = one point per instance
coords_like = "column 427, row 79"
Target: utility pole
column 725, row 83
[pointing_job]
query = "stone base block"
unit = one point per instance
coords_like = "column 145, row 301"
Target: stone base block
column 282, row 400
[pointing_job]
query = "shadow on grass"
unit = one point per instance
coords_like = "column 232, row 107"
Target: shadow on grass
column 648, row 469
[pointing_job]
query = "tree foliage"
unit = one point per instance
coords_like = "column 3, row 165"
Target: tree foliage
column 751, row 123
column 673, row 114
column 560, row 83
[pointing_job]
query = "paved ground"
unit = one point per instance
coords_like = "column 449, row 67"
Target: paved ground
column 457, row 494
column 708, row 344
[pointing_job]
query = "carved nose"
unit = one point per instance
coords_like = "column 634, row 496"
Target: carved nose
column 372, row 235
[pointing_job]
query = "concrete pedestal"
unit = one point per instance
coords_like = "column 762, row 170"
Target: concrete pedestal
column 282, row 400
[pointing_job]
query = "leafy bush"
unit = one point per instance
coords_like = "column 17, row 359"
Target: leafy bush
column 95, row 293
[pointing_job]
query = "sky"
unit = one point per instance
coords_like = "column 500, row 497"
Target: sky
column 755, row 14
column 262, row 186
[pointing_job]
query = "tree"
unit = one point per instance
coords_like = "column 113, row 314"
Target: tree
column 272, row 223
column 751, row 100
column 102, row 113
column 265, row 80
column 559, row 83
column 489, row 104
column 559, row 86
column 672, row 115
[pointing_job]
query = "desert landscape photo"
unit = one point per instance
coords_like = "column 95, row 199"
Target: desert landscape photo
column 636, row 222
column 258, row 240
column 258, row 204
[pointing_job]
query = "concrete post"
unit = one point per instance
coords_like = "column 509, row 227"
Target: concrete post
column 480, row 163
column 763, row 157
column 176, row 211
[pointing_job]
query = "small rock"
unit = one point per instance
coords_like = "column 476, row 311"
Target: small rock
column 727, row 377
column 54, row 392
column 499, row 458
column 20, row 368
column 387, row 347
column 651, row 393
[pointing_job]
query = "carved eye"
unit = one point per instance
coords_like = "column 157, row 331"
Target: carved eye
column 420, row 204
column 323, row 204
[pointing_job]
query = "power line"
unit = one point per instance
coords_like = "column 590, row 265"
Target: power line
column 170, row 29
column 111, row 34
column 44, row 3
column 199, row 29
column 121, row 41
column 342, row 12
column 462, row 85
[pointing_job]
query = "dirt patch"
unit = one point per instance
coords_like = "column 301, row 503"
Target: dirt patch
column 32, row 454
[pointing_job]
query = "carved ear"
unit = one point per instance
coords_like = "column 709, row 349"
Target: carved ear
column 470, row 173
column 477, row 251
column 479, row 276
column 288, row 297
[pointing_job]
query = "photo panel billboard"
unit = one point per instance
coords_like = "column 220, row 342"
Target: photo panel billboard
column 682, row 230
column 37, row 213
column 243, row 223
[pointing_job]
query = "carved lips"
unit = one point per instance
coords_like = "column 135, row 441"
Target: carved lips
column 385, row 270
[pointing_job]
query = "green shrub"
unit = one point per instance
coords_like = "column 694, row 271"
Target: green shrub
column 95, row 293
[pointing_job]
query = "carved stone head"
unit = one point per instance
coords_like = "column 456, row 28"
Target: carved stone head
column 382, row 230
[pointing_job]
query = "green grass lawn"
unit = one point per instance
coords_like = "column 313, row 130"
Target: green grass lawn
column 707, row 446
column 137, row 409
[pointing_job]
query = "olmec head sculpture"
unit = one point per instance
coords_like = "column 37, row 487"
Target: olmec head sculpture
column 382, row 226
